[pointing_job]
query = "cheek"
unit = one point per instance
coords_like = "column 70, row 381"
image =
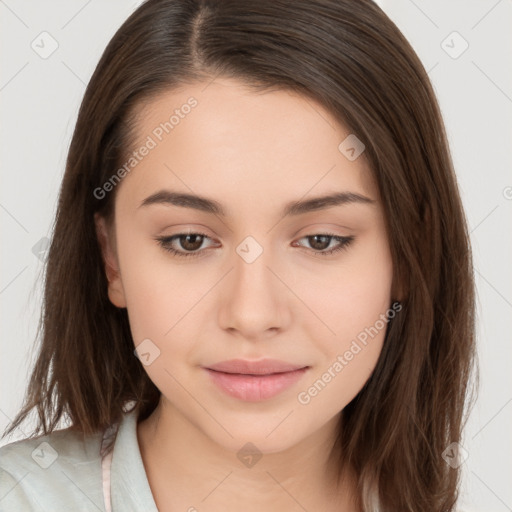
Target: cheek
column 353, row 295
column 158, row 306
column 153, row 303
column 353, row 303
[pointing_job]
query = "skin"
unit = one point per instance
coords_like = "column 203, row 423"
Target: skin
column 252, row 152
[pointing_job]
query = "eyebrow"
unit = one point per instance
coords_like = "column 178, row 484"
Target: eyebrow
column 167, row 197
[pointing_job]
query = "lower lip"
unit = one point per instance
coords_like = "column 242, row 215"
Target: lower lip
column 254, row 388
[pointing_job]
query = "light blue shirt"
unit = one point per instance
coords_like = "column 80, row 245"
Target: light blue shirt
column 60, row 472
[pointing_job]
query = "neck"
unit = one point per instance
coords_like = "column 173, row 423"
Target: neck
column 187, row 469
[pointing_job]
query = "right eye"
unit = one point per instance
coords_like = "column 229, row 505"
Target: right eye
column 189, row 242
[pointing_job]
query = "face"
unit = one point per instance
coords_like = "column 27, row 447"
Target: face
column 241, row 274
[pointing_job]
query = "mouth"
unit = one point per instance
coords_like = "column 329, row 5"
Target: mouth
column 255, row 381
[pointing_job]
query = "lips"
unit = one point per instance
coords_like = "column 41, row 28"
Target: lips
column 254, row 381
column 261, row 367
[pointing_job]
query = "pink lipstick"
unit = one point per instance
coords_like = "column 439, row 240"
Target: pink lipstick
column 254, row 380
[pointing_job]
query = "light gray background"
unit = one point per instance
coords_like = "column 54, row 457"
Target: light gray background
column 39, row 103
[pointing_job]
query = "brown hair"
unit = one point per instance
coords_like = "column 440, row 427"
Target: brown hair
column 351, row 58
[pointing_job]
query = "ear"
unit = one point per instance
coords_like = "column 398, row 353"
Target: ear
column 107, row 244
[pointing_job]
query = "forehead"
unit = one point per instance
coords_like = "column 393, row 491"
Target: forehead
column 225, row 140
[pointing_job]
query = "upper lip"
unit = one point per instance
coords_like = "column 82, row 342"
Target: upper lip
column 260, row 367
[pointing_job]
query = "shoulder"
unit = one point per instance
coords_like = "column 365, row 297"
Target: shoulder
column 59, row 471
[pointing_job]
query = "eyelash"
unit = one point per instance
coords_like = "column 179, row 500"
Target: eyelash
column 165, row 242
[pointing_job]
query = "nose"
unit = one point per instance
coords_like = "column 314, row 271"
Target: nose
column 254, row 300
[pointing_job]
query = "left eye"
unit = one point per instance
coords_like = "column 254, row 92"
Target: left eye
column 192, row 242
column 321, row 239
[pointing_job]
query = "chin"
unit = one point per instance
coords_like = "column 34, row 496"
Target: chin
column 270, row 435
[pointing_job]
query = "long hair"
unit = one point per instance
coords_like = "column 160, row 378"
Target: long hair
column 350, row 57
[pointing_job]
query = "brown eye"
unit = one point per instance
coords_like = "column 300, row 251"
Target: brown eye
column 189, row 244
column 321, row 241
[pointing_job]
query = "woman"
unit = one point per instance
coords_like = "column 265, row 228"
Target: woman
column 259, row 201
